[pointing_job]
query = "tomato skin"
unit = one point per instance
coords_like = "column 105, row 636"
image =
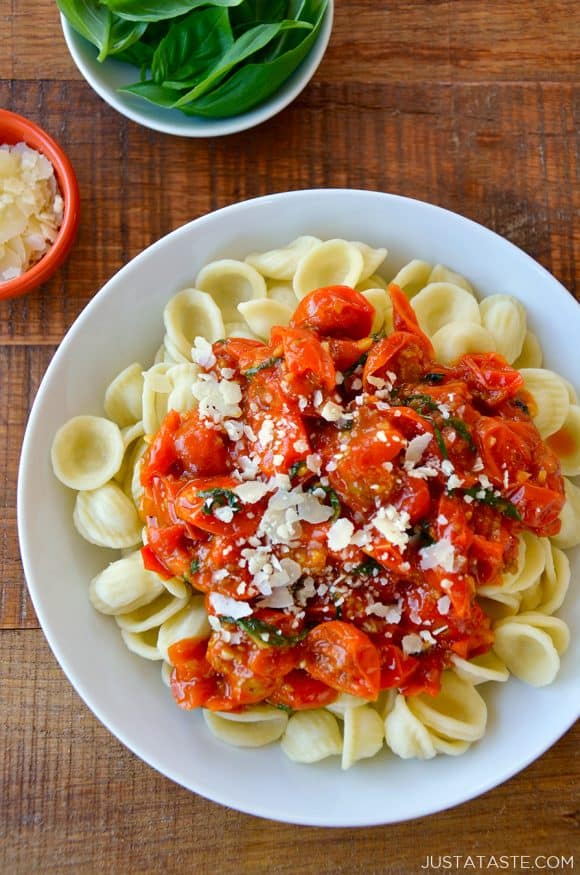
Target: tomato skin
column 191, row 507
column 200, row 448
column 490, row 377
column 300, row 692
column 171, row 547
column 502, row 448
column 161, row 457
column 335, row 311
column 539, row 507
column 405, row 319
column 308, row 363
column 192, row 678
column 346, row 353
column 403, row 353
column 344, row 658
column 152, row 563
column 414, row 497
column 241, row 353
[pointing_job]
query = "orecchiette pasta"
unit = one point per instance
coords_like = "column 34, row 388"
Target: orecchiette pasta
column 103, row 460
column 457, row 338
column 333, row 263
column 505, row 319
column 311, row 736
column 551, row 399
column 255, row 727
column 437, row 304
column 230, row 283
column 87, row 451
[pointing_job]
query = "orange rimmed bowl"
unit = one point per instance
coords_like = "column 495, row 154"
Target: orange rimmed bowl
column 16, row 129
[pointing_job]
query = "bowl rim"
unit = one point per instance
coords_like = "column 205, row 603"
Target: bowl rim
column 108, row 718
column 16, row 128
column 288, row 91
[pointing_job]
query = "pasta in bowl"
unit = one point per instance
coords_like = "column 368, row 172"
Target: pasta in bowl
column 322, row 568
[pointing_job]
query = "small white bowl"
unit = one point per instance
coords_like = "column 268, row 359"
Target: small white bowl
column 124, row 323
column 108, row 76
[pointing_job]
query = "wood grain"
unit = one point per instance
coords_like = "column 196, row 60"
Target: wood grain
column 469, row 104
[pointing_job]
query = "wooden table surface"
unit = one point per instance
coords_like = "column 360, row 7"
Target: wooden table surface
column 469, row 104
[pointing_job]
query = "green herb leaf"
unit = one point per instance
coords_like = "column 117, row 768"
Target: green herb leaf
column 192, row 45
column 268, row 363
column 333, row 498
column 297, row 469
column 487, row 496
column 370, row 567
column 521, row 406
column 440, row 442
column 256, row 628
column 462, row 430
column 253, row 83
column 434, row 378
column 194, row 567
column 360, row 363
column 147, row 10
column 219, row 497
column 100, row 27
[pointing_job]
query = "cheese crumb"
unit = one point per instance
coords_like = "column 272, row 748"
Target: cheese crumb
column 339, row 534
column 202, row 353
column 225, row 606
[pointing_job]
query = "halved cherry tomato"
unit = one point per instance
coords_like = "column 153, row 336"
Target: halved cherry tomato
column 340, row 655
column 172, row 548
column 539, row 507
column 335, row 311
column 201, row 501
column 241, row 353
column 413, row 496
column 346, row 353
column 193, row 680
column 306, row 360
column 402, row 353
column 405, row 319
column 200, row 447
column 161, row 456
column 300, row 692
column 489, row 376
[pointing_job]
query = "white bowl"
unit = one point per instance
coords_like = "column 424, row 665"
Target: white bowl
column 123, row 323
column 107, row 77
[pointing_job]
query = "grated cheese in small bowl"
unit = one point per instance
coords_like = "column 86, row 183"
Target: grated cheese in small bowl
column 31, row 209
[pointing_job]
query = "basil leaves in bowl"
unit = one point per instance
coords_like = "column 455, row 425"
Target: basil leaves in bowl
column 197, row 68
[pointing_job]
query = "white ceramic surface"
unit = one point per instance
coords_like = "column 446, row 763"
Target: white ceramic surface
column 123, row 323
column 106, row 78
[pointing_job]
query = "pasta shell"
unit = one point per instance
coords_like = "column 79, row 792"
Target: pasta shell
column 531, row 354
column 142, row 643
column 345, row 702
column 124, row 396
column 480, row 669
column 193, row 313
column 372, row 282
column 497, row 604
column 284, row 294
column 107, row 518
column 450, row 746
column 534, row 562
column 458, row 338
column 566, row 442
column 87, row 451
column 406, row 735
column 151, row 615
column 124, row 585
column 552, row 586
column 182, row 378
column 171, row 354
column 263, row 315
column 130, row 434
column 166, row 670
column 157, row 388
column 132, row 480
column 311, row 736
column 383, row 318
column 332, row 263
column 372, row 259
column 230, row 283
column 281, row 264
column 256, row 726
column 440, row 303
column 528, row 648
column 190, row 622
column 551, row 400
column 442, row 274
column 413, row 277
column 362, row 736
column 457, row 712
column 505, row 319
column 239, row 329
column 569, row 534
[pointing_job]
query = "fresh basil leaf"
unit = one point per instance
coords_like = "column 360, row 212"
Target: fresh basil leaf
column 218, row 497
column 487, row 496
column 100, row 27
column 140, row 54
column 370, row 567
column 254, row 83
column 253, row 12
column 151, row 92
column 246, row 45
column 267, row 363
column 147, row 10
column 192, row 45
column 256, row 628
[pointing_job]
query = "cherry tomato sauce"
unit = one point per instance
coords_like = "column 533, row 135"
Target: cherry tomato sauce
column 417, row 479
